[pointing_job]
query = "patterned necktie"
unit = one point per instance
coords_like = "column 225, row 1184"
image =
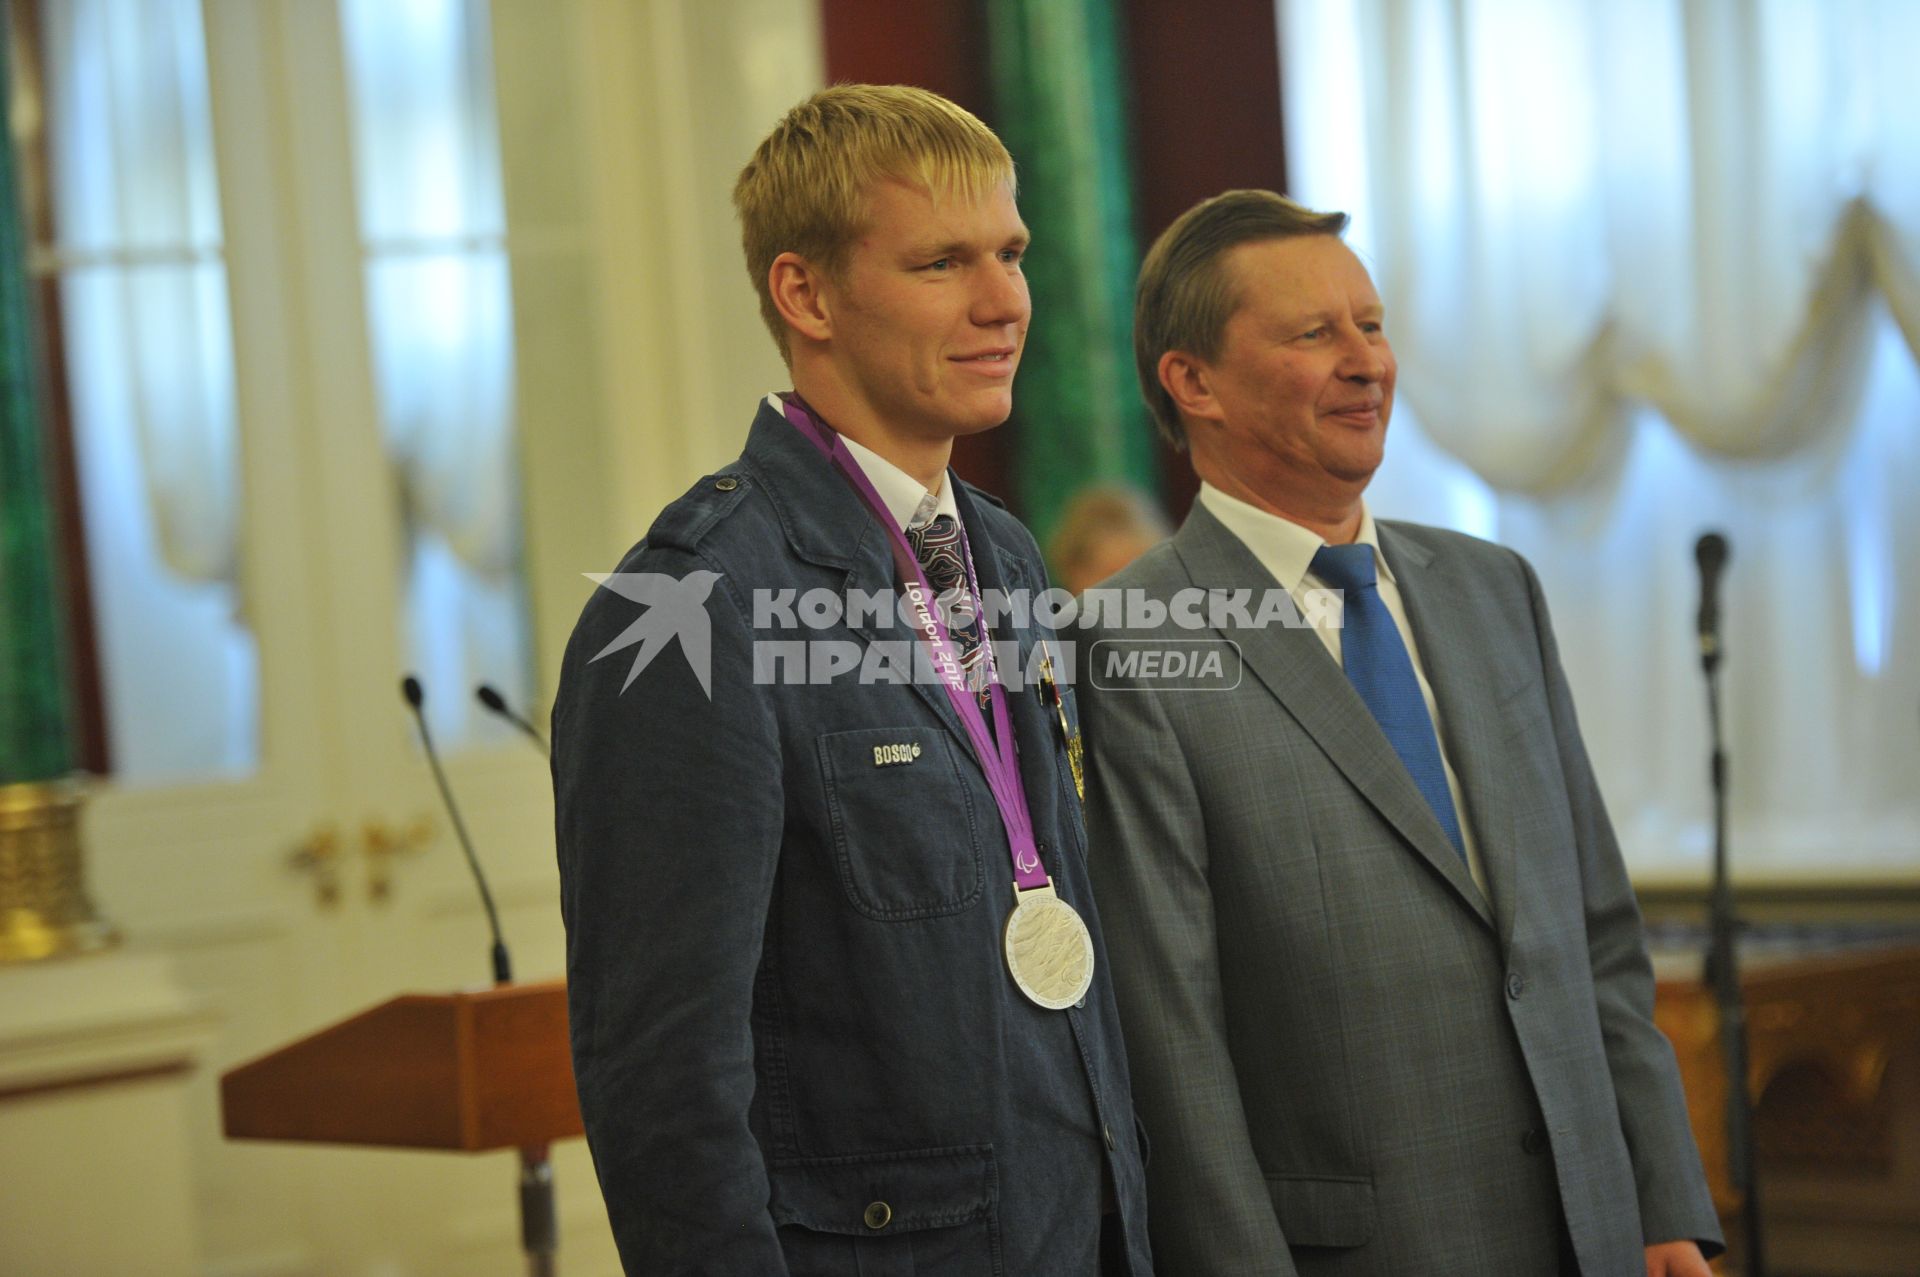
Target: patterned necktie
column 942, row 554
column 1379, row 668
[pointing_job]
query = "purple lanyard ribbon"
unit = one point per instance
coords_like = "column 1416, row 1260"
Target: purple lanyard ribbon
column 994, row 752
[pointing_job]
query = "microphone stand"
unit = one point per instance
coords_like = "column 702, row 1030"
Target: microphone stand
column 539, row 1220
column 1723, row 977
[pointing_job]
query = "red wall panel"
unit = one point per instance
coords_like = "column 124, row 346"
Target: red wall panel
column 1206, row 119
column 939, row 45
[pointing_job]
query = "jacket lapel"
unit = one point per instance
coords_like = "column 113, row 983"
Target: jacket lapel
column 1293, row 665
column 1467, row 692
column 828, row 525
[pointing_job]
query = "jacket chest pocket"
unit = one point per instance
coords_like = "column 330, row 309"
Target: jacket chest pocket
column 906, row 829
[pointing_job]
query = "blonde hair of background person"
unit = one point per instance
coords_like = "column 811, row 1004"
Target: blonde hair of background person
column 1105, row 527
column 806, row 189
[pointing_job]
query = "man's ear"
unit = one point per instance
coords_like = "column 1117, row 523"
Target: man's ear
column 800, row 293
column 1189, row 382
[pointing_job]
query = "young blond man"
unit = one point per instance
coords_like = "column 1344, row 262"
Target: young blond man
column 803, row 1040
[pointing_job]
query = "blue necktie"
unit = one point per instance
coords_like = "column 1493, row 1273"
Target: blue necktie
column 1379, row 668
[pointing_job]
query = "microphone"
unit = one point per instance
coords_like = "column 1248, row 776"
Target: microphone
column 497, row 704
column 416, row 697
column 1711, row 553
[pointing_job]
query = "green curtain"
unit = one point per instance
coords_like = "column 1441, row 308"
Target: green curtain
column 35, row 735
column 1060, row 106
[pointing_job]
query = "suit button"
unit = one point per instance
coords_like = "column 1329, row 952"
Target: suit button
column 1534, row 1141
column 878, row 1215
column 1108, row 1132
column 1515, row 985
column 726, row 484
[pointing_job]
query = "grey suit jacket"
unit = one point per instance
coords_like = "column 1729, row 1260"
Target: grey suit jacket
column 1349, row 1060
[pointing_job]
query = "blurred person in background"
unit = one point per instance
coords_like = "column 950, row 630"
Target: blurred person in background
column 1104, row 528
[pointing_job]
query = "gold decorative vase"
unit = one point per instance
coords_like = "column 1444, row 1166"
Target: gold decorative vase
column 44, row 909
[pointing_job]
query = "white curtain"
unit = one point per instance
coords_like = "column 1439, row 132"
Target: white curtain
column 148, row 365
column 1578, row 205
column 137, row 215
column 432, row 221
column 441, row 327
column 1653, row 266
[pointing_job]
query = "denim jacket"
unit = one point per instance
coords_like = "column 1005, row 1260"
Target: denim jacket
column 797, row 1045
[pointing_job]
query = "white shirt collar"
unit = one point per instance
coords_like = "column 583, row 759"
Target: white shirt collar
column 907, row 499
column 1283, row 547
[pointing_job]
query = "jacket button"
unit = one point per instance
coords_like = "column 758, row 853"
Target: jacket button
column 1108, row 1132
column 726, row 483
column 1534, row 1141
column 878, row 1215
column 1515, row 985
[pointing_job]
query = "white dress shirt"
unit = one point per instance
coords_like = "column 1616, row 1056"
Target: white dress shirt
column 1286, row 549
column 907, row 499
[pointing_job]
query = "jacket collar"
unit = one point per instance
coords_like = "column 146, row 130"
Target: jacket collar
column 824, row 520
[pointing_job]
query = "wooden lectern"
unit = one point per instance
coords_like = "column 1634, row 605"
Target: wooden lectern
column 466, row 1071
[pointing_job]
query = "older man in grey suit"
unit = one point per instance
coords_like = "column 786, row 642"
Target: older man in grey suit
column 1380, row 967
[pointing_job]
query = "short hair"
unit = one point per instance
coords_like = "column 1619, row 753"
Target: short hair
column 806, row 188
column 1186, row 296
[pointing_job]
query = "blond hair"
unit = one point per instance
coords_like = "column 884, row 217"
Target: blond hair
column 1185, row 295
column 1097, row 517
column 806, row 188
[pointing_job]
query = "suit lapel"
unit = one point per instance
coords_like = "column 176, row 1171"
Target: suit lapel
column 1467, row 693
column 1295, row 666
